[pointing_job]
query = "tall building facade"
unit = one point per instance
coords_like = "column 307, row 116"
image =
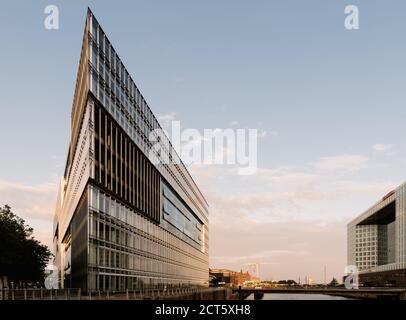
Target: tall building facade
column 376, row 242
column 121, row 220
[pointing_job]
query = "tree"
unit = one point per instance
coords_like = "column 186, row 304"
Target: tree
column 333, row 283
column 22, row 258
column 287, row 282
column 291, row 282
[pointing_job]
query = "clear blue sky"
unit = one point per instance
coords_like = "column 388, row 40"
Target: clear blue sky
column 322, row 95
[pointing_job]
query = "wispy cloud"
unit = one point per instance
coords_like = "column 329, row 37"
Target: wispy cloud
column 279, row 248
column 30, row 201
column 265, row 133
column 166, row 119
column 178, row 81
column 288, row 213
column 346, row 162
column 262, row 133
column 35, row 203
column 280, row 214
column 381, row 147
column 258, row 256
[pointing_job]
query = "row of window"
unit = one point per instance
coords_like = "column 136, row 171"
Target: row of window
column 366, row 245
column 122, row 168
column 137, row 264
column 176, row 213
column 141, row 137
column 367, row 259
column 118, row 237
column 367, row 254
column 113, row 85
column 115, row 215
column 365, row 251
column 124, row 242
column 104, row 282
column 366, row 265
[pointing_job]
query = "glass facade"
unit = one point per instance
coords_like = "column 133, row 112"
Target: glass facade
column 127, row 250
column 376, row 238
column 177, row 214
column 122, row 222
column 112, row 85
column 366, row 246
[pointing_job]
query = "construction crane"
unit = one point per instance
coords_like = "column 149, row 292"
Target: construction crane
column 253, row 268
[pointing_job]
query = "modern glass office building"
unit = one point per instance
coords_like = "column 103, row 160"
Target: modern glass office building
column 122, row 221
column 377, row 241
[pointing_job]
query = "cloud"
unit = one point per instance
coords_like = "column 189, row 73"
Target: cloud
column 261, row 256
column 265, row 133
column 287, row 193
column 342, row 162
column 262, row 133
column 277, row 217
column 288, row 176
column 279, row 248
column 329, row 203
column 178, row 81
column 282, row 215
column 44, row 234
column 166, row 119
column 380, row 147
column 35, row 201
column 234, row 123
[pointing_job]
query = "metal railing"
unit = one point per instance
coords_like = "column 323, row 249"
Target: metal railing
column 40, row 294
column 180, row 293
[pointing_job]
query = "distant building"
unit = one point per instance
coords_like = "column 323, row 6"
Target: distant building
column 376, row 241
column 231, row 278
column 122, row 221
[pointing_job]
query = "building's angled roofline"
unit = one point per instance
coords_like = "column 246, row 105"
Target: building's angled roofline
column 71, row 152
column 90, row 12
column 386, row 199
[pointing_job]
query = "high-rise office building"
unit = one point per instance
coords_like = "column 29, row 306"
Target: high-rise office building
column 122, row 221
column 377, row 241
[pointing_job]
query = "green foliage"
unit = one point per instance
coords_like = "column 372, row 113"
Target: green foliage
column 287, row 282
column 333, row 283
column 22, row 258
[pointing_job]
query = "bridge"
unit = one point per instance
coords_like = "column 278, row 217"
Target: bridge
column 362, row 293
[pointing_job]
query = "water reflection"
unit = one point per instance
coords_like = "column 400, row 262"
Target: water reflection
column 297, row 296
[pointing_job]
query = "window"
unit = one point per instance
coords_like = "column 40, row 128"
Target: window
column 94, row 29
column 101, row 205
column 107, row 51
column 107, row 207
column 101, row 40
column 95, row 56
column 95, row 83
column 101, row 70
column 101, row 230
column 94, row 196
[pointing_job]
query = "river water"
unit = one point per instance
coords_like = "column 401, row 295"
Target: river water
column 296, row 296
